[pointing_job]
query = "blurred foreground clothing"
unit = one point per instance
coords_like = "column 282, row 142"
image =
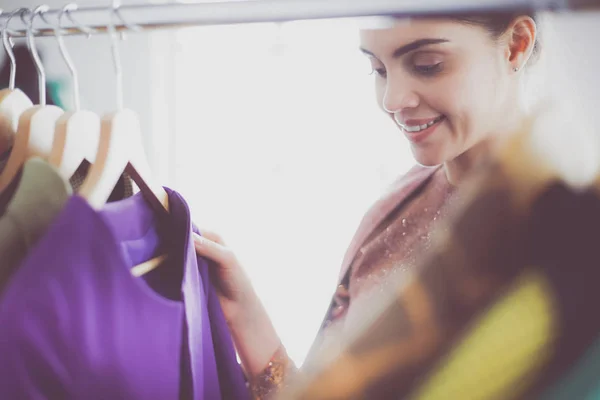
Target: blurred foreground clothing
column 502, row 308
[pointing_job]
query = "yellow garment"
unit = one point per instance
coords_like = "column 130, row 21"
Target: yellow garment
column 502, row 353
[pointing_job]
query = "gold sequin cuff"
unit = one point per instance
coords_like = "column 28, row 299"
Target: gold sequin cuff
column 274, row 377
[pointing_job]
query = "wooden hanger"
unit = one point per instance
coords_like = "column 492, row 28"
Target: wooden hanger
column 120, row 149
column 13, row 102
column 35, row 129
column 76, row 133
column 12, row 105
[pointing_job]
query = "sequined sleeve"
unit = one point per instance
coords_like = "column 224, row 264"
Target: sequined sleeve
column 274, row 377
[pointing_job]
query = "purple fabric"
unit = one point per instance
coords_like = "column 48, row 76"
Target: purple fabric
column 231, row 379
column 75, row 324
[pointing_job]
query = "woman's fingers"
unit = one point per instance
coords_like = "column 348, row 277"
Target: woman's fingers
column 213, row 236
column 213, row 250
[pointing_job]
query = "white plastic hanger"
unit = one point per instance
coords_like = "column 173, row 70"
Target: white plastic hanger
column 13, row 102
column 121, row 149
column 77, row 132
column 35, row 131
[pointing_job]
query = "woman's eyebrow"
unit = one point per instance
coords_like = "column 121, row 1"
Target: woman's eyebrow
column 399, row 52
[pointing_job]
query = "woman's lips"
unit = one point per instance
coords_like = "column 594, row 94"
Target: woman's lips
column 413, row 129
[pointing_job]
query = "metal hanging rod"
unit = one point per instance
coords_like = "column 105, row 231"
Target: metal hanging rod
column 156, row 16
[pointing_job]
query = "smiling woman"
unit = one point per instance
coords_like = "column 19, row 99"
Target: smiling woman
column 453, row 88
column 452, row 84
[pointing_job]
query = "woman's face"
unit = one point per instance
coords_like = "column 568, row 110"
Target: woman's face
column 447, row 85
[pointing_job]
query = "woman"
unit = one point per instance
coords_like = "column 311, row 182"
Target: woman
column 453, row 87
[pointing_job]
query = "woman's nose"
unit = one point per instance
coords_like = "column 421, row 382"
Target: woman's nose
column 398, row 97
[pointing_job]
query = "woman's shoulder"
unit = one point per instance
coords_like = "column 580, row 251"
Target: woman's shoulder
column 396, row 193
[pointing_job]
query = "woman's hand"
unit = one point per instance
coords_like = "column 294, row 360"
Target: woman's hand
column 233, row 286
column 252, row 331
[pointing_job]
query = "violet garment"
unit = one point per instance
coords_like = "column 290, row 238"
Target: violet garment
column 75, row 324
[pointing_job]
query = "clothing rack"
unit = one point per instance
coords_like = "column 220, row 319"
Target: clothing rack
column 84, row 20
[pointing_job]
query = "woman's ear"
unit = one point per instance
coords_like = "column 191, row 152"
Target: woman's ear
column 521, row 38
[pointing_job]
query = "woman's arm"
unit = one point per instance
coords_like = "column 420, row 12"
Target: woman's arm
column 263, row 356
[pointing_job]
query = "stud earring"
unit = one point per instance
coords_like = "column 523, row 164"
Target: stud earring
column 516, row 69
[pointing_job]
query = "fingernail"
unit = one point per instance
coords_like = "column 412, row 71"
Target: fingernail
column 198, row 239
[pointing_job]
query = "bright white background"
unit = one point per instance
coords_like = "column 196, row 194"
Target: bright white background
column 279, row 146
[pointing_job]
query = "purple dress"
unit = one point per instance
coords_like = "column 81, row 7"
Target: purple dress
column 75, row 324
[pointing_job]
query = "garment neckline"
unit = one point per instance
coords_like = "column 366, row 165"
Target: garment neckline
column 112, row 216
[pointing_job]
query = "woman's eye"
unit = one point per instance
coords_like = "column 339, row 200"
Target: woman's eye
column 379, row 71
column 428, row 70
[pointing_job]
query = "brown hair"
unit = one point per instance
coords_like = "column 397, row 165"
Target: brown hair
column 497, row 23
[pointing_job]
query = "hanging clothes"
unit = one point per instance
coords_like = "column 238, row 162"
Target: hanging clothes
column 74, row 322
column 27, row 81
column 123, row 189
column 27, row 209
column 40, row 196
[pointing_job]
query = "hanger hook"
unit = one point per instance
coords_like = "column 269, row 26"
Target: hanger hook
column 85, row 29
column 115, row 53
column 8, row 45
column 33, row 49
column 64, row 52
column 129, row 26
column 116, row 12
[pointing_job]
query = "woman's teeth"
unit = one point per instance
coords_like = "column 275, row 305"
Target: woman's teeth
column 419, row 128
